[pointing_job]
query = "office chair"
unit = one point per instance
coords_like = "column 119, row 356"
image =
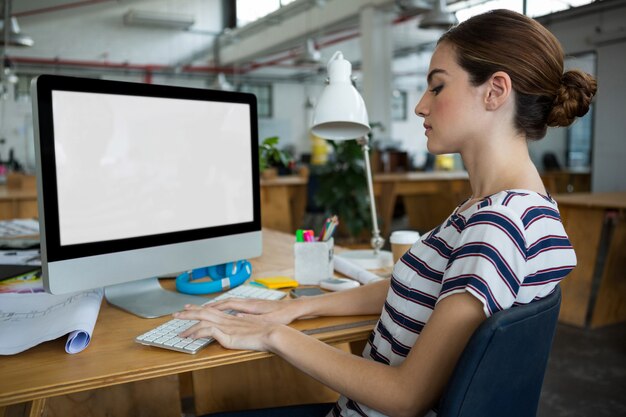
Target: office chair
column 501, row 370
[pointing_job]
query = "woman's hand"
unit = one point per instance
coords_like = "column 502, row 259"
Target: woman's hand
column 241, row 331
column 281, row 311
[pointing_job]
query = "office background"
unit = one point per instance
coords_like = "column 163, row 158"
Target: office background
column 381, row 38
column 192, row 42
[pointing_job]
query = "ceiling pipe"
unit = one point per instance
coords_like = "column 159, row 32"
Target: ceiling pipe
column 59, row 7
column 114, row 65
column 287, row 55
column 290, row 54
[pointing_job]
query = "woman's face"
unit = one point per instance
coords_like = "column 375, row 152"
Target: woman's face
column 451, row 106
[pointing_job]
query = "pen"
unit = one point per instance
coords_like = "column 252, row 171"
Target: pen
column 309, row 236
column 330, row 228
column 323, row 231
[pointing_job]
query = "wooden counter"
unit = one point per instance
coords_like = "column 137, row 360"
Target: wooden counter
column 17, row 203
column 594, row 293
column 283, row 202
column 428, row 197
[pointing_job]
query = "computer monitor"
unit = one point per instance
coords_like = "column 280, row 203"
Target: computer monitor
column 137, row 181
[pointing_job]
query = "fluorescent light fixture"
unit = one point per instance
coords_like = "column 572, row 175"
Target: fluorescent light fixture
column 15, row 38
column 221, row 83
column 164, row 20
column 310, row 54
column 439, row 17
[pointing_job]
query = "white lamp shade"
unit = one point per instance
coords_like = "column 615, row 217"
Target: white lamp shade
column 340, row 113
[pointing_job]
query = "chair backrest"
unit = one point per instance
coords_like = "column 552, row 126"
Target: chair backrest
column 501, row 370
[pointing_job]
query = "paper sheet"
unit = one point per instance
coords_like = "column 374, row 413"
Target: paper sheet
column 20, row 257
column 27, row 320
column 19, row 233
column 354, row 271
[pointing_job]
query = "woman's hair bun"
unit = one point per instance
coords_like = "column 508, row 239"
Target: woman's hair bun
column 573, row 98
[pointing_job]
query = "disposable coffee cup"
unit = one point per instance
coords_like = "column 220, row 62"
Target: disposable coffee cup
column 401, row 241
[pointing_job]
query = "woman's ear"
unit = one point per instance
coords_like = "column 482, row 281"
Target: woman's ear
column 498, row 91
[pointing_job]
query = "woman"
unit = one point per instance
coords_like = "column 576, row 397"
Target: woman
column 495, row 82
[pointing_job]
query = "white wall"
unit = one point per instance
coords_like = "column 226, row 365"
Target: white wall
column 609, row 147
column 410, row 132
column 291, row 118
column 16, row 128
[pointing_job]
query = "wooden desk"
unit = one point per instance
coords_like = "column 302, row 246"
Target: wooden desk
column 567, row 181
column 113, row 358
column 596, row 225
column 428, row 196
column 283, row 202
column 17, row 203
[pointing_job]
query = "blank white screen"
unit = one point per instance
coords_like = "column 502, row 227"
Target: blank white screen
column 131, row 166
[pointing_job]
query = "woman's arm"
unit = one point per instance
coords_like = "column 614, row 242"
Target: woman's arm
column 366, row 299
column 409, row 389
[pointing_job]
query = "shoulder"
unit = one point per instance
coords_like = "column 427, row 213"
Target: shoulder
column 522, row 206
column 522, row 216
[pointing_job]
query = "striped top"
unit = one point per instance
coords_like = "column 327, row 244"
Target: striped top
column 506, row 250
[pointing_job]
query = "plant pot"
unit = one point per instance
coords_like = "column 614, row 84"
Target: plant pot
column 269, row 173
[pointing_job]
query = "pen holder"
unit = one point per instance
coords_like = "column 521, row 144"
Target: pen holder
column 313, row 261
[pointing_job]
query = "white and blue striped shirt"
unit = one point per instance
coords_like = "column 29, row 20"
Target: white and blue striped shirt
column 509, row 249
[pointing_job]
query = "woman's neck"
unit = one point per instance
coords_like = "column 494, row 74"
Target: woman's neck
column 501, row 165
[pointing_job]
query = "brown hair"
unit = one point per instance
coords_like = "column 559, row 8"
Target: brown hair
column 503, row 40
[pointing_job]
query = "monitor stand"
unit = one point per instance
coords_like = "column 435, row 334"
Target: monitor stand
column 146, row 298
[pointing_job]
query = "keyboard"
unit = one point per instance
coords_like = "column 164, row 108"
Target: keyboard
column 166, row 335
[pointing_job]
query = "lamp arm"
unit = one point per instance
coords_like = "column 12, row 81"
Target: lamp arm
column 377, row 241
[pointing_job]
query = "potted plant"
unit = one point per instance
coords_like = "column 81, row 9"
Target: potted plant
column 342, row 189
column 271, row 157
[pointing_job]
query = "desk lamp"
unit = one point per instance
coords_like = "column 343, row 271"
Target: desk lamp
column 340, row 114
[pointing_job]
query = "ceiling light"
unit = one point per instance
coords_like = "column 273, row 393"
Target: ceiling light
column 221, row 83
column 438, row 17
column 15, row 37
column 159, row 19
column 418, row 5
column 310, row 54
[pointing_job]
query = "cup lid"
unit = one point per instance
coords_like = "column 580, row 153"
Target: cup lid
column 404, row 237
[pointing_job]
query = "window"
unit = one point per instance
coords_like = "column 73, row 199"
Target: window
column 263, row 93
column 579, row 138
column 534, row 8
column 251, row 10
column 22, row 88
column 580, row 134
column 398, row 105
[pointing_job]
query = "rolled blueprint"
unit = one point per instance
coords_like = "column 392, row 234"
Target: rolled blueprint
column 354, row 271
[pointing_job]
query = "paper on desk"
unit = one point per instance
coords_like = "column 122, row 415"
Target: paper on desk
column 20, row 257
column 19, row 233
column 27, row 320
column 354, row 271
